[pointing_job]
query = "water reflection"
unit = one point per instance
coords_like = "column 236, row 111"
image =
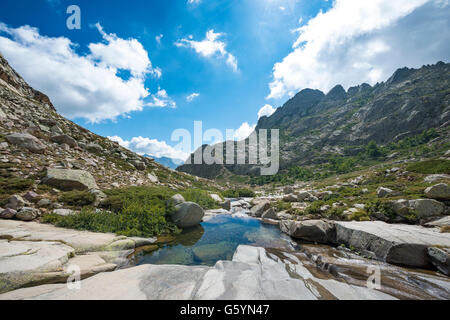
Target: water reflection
column 213, row 240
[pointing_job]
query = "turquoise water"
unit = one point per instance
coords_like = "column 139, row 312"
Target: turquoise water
column 213, row 240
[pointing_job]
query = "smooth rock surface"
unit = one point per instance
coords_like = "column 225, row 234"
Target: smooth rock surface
column 319, row 231
column 254, row 274
column 187, row 214
column 394, row 243
column 26, row 141
column 439, row 191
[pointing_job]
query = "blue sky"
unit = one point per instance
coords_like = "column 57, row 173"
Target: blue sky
column 129, row 71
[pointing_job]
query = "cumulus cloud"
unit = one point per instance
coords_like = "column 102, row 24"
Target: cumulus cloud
column 363, row 41
column 158, row 38
column 84, row 86
column 244, row 131
column 152, row 147
column 192, row 96
column 267, row 111
column 210, row 47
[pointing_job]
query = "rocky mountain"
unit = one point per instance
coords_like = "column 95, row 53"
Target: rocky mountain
column 315, row 126
column 37, row 143
column 165, row 161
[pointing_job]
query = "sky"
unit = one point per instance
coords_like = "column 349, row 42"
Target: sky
column 136, row 71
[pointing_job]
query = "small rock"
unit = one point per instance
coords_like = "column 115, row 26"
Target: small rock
column 384, row 192
column 153, row 178
column 27, row 214
column 260, row 208
column 64, row 139
column 64, row 212
column 15, row 202
column 26, row 141
column 290, row 198
column 436, row 178
column 440, row 258
column 44, row 203
column 176, row 199
column 8, row 213
column 270, row 214
column 216, row 197
column 140, row 165
column 94, row 148
column 439, row 191
column 32, row 196
column 226, row 205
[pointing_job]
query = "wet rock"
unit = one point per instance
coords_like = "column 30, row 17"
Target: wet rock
column 67, row 179
column 260, row 208
column 28, row 214
column 124, row 244
column 440, row 258
column 7, row 213
column 26, row 141
column 394, row 243
column 270, row 214
column 439, row 191
column 187, row 214
column 64, row 139
column 319, row 231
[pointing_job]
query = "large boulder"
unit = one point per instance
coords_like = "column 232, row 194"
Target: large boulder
column 319, row 231
column 64, row 138
column 16, row 201
column 421, row 208
column 439, row 191
column 66, row 179
column 140, row 165
column 270, row 214
column 436, row 178
column 28, row 214
column 7, row 213
column 187, row 214
column 94, row 148
column 26, row 141
column 260, row 208
column 394, row 243
column 440, row 258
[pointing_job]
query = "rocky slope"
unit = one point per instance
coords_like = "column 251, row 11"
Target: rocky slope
column 315, row 126
column 39, row 145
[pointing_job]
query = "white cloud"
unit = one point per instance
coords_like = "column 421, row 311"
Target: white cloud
column 363, row 41
column 194, row 1
column 210, row 47
column 192, row 96
column 83, row 86
column 244, row 131
column 152, row 147
column 158, row 38
column 267, row 111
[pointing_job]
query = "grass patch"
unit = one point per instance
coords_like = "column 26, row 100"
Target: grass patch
column 77, row 198
column 134, row 220
column 430, row 167
column 201, row 197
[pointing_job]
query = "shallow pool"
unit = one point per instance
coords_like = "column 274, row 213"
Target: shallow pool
column 213, row 240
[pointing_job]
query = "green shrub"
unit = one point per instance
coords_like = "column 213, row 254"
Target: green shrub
column 14, row 185
column 119, row 198
column 430, row 167
column 201, row 197
column 282, row 206
column 77, row 198
column 134, row 220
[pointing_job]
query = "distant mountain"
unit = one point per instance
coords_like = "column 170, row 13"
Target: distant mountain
column 167, row 162
column 314, row 126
